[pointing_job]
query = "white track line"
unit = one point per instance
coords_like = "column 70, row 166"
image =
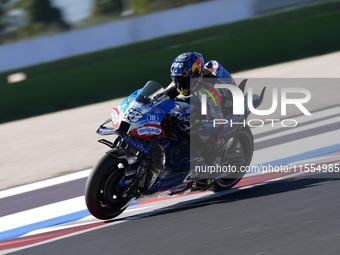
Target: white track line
column 44, row 183
column 42, row 213
column 296, row 147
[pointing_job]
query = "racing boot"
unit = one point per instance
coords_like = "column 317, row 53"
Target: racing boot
column 200, row 185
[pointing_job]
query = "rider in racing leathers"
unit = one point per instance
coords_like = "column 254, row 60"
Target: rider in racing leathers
column 187, row 73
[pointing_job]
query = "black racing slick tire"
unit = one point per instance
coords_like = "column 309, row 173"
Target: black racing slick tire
column 243, row 148
column 102, row 196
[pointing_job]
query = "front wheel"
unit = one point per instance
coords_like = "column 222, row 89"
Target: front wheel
column 239, row 153
column 103, row 198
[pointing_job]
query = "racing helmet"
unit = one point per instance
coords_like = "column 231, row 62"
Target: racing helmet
column 185, row 66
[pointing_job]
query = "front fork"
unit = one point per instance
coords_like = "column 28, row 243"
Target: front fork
column 136, row 178
column 133, row 180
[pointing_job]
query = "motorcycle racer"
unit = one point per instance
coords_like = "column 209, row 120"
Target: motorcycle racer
column 187, row 73
column 167, row 143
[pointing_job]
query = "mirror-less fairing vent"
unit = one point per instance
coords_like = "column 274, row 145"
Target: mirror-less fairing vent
column 124, row 127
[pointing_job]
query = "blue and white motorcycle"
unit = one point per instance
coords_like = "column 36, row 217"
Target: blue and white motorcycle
column 150, row 157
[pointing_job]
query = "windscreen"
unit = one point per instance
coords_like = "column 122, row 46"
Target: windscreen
column 149, row 88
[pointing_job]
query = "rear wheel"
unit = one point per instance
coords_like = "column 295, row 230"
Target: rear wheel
column 239, row 153
column 103, row 198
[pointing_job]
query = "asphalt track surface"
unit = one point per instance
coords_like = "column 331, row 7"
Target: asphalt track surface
column 292, row 216
column 297, row 215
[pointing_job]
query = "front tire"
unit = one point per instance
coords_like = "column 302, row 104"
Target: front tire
column 103, row 198
column 243, row 145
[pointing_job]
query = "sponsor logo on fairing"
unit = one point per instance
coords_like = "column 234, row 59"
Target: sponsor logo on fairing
column 135, row 144
column 124, row 105
column 149, row 131
column 152, row 118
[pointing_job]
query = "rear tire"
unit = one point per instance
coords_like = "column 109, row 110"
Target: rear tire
column 103, row 199
column 243, row 144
